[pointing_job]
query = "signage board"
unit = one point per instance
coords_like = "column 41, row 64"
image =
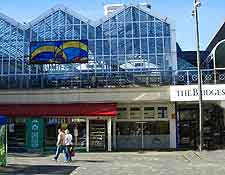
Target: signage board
column 34, row 133
column 190, row 92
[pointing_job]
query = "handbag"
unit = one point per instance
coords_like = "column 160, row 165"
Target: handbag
column 72, row 151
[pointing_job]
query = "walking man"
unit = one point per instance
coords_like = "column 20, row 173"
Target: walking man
column 60, row 145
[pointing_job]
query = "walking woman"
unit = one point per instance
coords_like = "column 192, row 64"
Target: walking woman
column 69, row 144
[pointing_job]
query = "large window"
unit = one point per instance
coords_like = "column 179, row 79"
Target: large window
column 77, row 128
column 156, row 128
column 149, row 128
column 128, row 128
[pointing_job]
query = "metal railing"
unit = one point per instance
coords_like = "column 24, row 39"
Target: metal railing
column 110, row 80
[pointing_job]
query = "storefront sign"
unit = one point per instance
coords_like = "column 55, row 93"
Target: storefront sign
column 190, row 92
column 35, row 134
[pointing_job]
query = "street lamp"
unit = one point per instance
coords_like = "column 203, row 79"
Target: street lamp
column 197, row 4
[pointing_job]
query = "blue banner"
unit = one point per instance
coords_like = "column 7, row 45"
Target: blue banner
column 59, row 52
column 3, row 120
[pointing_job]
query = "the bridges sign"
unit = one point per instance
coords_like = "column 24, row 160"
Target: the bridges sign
column 190, row 92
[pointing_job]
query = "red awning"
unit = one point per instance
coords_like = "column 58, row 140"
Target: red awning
column 59, row 110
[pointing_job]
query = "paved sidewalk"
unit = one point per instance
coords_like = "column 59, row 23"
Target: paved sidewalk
column 120, row 163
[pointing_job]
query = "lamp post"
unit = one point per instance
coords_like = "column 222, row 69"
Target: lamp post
column 197, row 4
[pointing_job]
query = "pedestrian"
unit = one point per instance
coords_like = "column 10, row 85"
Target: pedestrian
column 60, row 145
column 69, row 144
column 75, row 135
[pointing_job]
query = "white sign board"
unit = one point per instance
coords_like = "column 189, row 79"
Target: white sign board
column 190, row 92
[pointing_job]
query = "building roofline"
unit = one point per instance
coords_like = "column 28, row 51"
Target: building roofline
column 215, row 47
column 107, row 17
column 54, row 9
column 156, row 15
column 12, row 21
column 140, row 7
column 214, row 36
column 85, row 19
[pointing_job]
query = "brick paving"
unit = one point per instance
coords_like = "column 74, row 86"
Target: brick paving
column 120, row 163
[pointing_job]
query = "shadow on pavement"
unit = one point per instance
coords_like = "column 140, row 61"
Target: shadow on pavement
column 13, row 169
column 28, row 155
column 90, row 161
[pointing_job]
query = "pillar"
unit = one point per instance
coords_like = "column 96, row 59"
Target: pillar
column 109, row 125
column 173, row 127
column 114, row 134
column 172, row 133
column 87, row 135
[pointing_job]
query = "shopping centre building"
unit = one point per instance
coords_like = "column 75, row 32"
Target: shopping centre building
column 120, row 100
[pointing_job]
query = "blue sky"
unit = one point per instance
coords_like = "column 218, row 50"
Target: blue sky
column 211, row 14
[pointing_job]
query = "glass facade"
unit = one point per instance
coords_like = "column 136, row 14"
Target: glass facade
column 132, row 40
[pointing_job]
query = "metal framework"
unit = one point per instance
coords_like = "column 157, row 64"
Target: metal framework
column 132, row 41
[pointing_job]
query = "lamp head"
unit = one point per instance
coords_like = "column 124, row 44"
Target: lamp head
column 197, row 3
column 193, row 13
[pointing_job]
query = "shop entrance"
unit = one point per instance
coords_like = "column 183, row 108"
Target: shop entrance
column 17, row 134
column 213, row 127
column 98, row 135
column 76, row 126
column 188, row 134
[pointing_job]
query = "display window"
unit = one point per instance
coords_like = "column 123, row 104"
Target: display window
column 77, row 128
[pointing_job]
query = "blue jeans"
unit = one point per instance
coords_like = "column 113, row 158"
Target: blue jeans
column 68, row 152
column 60, row 149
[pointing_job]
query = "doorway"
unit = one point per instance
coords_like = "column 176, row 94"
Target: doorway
column 98, row 135
column 76, row 126
column 17, row 134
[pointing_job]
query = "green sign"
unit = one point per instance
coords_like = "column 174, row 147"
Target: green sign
column 2, row 145
column 35, row 133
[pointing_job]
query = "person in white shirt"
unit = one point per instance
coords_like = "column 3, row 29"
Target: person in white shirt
column 68, row 143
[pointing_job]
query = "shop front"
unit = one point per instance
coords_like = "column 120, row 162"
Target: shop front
column 187, row 110
column 144, row 126
column 94, row 127
column 89, row 124
column 89, row 133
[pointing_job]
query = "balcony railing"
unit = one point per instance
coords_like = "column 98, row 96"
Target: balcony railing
column 110, row 80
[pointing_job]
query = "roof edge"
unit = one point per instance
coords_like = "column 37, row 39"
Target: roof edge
column 140, row 7
column 54, row 9
column 210, row 41
column 12, row 21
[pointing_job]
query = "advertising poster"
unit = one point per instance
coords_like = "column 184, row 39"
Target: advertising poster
column 59, row 52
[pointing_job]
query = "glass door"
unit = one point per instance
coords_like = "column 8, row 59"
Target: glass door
column 98, row 131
